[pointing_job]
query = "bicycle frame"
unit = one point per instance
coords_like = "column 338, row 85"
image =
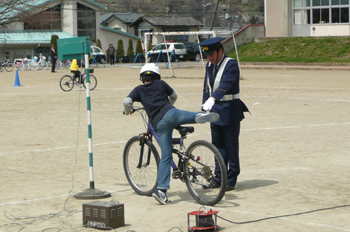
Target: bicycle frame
column 151, row 132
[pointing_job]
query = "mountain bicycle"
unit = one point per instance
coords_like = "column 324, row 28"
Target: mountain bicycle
column 7, row 65
column 200, row 166
column 67, row 82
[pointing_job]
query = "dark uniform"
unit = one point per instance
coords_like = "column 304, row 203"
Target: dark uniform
column 53, row 54
column 222, row 82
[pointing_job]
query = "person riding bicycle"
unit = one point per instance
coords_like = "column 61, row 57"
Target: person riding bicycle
column 158, row 98
column 74, row 68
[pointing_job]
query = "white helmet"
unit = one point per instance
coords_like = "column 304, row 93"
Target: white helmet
column 149, row 72
column 150, row 68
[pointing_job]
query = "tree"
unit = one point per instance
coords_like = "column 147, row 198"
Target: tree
column 32, row 14
column 54, row 39
column 130, row 51
column 138, row 47
column 120, row 49
column 98, row 43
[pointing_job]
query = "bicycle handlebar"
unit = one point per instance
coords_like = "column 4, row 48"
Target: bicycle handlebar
column 136, row 109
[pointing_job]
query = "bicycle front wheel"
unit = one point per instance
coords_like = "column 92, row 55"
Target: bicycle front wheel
column 9, row 67
column 34, row 66
column 66, row 83
column 141, row 165
column 92, row 81
column 205, row 173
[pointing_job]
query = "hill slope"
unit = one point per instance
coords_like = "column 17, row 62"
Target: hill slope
column 297, row 49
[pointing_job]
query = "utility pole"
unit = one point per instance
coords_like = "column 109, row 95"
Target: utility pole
column 212, row 20
column 229, row 13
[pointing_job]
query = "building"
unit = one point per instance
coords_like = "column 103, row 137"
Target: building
column 120, row 21
column 289, row 18
column 75, row 18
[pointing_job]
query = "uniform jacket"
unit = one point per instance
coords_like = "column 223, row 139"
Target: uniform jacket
column 229, row 111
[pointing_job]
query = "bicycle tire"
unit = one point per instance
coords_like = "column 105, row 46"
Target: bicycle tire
column 143, row 180
column 60, row 65
column 9, row 67
column 34, row 66
column 43, row 65
column 203, row 158
column 24, row 67
column 92, row 80
column 66, row 83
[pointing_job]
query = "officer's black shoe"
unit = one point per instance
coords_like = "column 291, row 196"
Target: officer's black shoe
column 212, row 185
column 229, row 188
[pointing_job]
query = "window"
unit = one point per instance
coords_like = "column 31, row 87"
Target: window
column 316, row 2
column 321, row 11
column 86, row 22
column 324, row 2
column 301, row 16
column 46, row 20
column 301, row 3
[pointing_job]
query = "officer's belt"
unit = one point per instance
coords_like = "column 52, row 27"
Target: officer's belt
column 229, row 97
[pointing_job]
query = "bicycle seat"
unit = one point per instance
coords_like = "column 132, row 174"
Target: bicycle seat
column 184, row 130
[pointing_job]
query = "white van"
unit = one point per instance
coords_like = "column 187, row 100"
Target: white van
column 180, row 52
column 96, row 51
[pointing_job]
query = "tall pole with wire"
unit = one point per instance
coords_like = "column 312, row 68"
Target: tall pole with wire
column 90, row 193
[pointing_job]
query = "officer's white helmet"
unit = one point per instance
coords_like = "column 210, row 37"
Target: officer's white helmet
column 150, row 72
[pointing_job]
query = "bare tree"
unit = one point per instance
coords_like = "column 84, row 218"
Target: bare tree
column 31, row 14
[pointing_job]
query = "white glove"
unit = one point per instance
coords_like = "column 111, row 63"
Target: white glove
column 208, row 104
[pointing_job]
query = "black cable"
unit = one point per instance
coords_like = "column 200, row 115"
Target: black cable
column 286, row 215
column 49, row 216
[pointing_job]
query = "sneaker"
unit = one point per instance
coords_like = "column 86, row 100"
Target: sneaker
column 203, row 117
column 161, row 197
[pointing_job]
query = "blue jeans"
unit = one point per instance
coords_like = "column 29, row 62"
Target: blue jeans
column 173, row 118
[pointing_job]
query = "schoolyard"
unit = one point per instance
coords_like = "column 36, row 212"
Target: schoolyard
column 294, row 152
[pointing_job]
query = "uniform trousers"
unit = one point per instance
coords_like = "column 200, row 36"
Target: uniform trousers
column 226, row 140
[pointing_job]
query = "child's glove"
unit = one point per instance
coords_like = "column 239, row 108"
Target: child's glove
column 208, row 104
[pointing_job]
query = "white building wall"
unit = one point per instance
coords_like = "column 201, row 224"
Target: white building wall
column 327, row 30
column 69, row 17
column 278, row 18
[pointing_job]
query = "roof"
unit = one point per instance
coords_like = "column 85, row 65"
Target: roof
column 119, row 32
column 32, row 37
column 170, row 20
column 41, row 2
column 124, row 17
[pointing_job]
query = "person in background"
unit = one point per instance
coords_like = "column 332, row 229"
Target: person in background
column 221, row 95
column 53, row 54
column 111, row 51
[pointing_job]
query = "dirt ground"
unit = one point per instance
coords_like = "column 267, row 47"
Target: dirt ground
column 294, row 150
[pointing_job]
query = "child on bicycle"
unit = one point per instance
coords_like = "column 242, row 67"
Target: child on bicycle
column 74, row 68
column 158, row 98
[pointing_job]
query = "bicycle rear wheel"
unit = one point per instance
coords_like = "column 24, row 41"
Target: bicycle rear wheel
column 205, row 173
column 141, row 173
column 43, row 65
column 9, row 67
column 92, row 80
column 66, row 83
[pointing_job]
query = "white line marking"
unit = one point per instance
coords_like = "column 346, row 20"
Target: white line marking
column 124, row 141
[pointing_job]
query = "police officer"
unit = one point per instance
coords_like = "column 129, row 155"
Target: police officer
column 221, row 95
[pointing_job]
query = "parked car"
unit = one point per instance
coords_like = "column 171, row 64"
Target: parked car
column 193, row 51
column 96, row 51
column 180, row 52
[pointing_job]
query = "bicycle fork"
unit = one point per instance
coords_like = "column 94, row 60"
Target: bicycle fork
column 142, row 144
